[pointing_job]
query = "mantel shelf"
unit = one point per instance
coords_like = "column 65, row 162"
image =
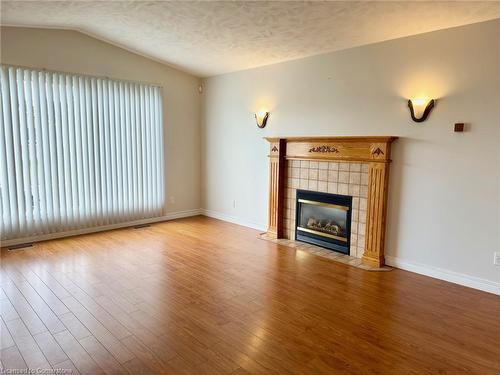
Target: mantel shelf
column 323, row 138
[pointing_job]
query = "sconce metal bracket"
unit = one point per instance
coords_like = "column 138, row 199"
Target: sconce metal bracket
column 427, row 110
column 264, row 120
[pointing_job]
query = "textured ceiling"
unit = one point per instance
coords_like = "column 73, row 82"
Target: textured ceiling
column 209, row 38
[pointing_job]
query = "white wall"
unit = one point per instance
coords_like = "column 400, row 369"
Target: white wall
column 443, row 216
column 73, row 52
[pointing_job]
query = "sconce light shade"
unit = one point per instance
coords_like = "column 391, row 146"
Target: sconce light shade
column 417, row 105
column 261, row 119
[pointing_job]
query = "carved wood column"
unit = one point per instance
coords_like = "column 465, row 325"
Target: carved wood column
column 276, row 187
column 378, row 180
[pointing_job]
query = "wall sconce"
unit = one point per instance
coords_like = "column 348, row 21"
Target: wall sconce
column 420, row 108
column 261, row 118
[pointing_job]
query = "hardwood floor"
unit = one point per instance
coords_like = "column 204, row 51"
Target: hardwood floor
column 198, row 296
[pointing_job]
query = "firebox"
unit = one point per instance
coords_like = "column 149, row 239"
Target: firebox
column 324, row 219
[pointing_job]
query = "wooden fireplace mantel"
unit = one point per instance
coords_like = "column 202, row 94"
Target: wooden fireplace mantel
column 376, row 151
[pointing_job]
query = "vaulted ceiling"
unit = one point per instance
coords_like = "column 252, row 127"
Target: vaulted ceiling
column 211, row 37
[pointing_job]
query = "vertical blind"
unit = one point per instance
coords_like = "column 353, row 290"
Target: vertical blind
column 77, row 152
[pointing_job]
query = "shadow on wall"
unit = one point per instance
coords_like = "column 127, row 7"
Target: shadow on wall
column 395, row 203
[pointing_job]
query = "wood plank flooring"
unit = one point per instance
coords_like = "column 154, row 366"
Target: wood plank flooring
column 201, row 296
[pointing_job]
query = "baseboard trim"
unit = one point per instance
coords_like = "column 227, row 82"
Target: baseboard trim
column 76, row 232
column 233, row 219
column 422, row 269
column 446, row 275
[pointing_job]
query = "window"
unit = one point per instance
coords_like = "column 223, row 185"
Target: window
column 77, row 152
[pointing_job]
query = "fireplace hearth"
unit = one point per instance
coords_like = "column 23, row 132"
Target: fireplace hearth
column 324, row 219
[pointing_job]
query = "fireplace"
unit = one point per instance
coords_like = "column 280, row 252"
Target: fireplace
column 354, row 166
column 324, row 219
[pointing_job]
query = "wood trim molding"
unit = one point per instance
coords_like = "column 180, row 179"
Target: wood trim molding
column 376, row 151
column 378, row 180
column 365, row 149
column 276, row 188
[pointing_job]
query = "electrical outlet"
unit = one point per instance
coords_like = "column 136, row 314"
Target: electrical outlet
column 496, row 260
column 172, row 200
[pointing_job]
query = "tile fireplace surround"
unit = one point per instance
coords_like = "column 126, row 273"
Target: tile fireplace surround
column 355, row 166
column 329, row 177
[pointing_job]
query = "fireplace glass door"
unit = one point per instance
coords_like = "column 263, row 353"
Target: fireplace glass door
column 324, row 219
